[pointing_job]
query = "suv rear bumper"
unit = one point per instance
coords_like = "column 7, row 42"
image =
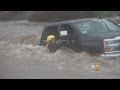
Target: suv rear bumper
column 111, row 56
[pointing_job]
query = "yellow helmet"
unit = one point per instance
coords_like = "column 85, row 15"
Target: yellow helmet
column 50, row 37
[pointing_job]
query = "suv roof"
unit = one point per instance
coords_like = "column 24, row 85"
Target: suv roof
column 71, row 21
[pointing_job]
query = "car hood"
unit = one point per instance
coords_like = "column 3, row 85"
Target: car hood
column 101, row 36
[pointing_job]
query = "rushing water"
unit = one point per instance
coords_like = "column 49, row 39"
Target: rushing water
column 22, row 57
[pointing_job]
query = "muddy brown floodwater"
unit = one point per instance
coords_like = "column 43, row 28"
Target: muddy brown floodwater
column 21, row 57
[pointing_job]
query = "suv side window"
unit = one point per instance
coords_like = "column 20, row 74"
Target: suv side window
column 51, row 30
column 68, row 28
column 71, row 33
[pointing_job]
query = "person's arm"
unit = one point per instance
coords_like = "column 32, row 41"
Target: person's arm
column 53, row 47
column 56, row 45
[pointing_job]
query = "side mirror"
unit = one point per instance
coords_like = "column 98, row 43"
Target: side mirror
column 63, row 33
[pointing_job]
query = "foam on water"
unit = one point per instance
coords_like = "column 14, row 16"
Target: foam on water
column 62, row 59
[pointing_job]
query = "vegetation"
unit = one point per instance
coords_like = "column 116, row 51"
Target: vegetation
column 53, row 15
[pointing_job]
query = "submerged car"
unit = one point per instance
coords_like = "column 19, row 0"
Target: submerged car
column 97, row 36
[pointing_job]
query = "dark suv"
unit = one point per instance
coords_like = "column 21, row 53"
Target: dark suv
column 93, row 35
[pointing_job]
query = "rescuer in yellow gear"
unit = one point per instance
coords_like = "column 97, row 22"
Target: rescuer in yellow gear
column 52, row 44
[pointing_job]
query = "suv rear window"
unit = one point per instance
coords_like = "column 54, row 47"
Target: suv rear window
column 51, row 30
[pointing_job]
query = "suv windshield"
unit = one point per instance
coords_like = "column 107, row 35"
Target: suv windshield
column 111, row 25
column 96, row 26
column 89, row 27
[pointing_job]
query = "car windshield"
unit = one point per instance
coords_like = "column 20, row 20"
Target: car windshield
column 111, row 25
column 89, row 27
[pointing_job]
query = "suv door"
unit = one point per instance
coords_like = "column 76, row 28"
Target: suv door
column 70, row 34
column 72, row 37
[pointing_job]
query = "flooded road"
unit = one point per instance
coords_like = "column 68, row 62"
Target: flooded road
column 21, row 57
